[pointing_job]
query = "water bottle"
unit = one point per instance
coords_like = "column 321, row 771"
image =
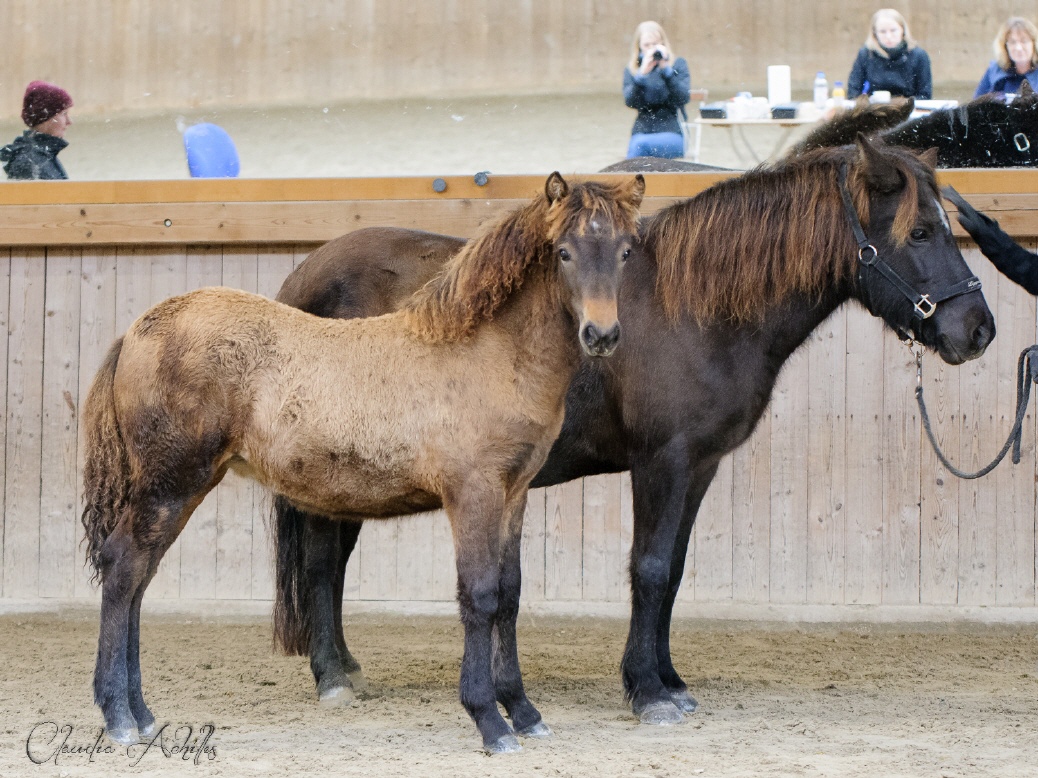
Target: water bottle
column 821, row 90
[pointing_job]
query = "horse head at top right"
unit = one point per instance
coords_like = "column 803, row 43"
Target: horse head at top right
column 910, row 271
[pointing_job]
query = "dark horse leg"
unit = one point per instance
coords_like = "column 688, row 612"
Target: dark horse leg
column 699, row 482
column 477, row 519
column 659, row 484
column 508, row 681
column 326, row 549
column 130, row 558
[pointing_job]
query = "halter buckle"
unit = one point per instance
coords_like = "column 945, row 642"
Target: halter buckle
column 924, row 308
column 861, row 254
column 1021, row 142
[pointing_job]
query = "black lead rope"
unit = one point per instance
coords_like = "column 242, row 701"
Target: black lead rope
column 1026, row 374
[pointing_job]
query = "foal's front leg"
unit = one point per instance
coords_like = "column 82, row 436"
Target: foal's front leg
column 477, row 516
column 508, row 680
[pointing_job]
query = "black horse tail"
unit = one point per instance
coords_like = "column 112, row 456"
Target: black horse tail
column 292, row 617
column 106, row 475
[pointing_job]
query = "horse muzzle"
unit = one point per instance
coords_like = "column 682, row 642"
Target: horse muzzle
column 968, row 341
column 598, row 341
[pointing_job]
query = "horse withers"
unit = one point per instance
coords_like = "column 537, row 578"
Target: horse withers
column 455, row 400
column 738, row 275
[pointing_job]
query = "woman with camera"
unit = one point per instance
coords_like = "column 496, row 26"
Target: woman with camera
column 657, row 86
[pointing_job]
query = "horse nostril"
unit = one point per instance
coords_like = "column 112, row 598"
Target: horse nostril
column 590, row 335
column 982, row 336
column 611, row 338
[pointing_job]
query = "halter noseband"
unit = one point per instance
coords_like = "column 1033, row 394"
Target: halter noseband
column 923, row 305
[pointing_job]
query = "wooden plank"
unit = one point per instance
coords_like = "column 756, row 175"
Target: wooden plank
column 24, row 417
column 532, row 551
column 626, row 533
column 826, row 466
column 602, row 555
column 97, row 331
column 864, row 458
column 198, row 541
column 751, row 516
column 977, row 506
column 789, row 480
column 445, row 569
column 1015, row 313
column 5, row 318
column 563, row 544
column 712, row 541
column 900, row 444
column 59, row 495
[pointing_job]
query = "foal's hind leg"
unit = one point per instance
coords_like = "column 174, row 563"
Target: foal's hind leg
column 508, row 680
column 699, row 483
column 324, row 571
column 348, row 533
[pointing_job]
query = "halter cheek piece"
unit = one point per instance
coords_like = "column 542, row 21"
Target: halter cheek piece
column 923, row 305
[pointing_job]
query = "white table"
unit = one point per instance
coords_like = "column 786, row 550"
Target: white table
column 735, row 129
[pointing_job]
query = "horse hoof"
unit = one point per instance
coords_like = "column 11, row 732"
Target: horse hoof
column 686, row 702
column 124, row 736
column 148, row 730
column 661, row 714
column 339, row 697
column 506, row 744
column 538, row 730
column 358, row 681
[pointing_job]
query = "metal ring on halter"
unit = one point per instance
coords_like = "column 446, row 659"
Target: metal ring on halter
column 1021, row 142
column 861, row 254
column 927, row 313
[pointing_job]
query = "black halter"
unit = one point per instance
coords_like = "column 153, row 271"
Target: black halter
column 923, row 305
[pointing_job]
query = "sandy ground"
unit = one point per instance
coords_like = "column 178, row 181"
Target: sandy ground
column 775, row 700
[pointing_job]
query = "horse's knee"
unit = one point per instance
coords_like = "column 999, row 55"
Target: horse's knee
column 650, row 574
column 479, row 601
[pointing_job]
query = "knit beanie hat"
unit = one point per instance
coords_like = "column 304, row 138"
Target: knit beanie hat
column 43, row 101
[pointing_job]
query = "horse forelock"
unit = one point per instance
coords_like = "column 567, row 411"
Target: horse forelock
column 593, row 208
column 748, row 243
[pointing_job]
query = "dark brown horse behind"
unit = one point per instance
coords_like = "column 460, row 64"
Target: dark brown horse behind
column 454, row 401
column 724, row 287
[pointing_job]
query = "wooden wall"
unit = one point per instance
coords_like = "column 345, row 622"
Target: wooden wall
column 837, row 499
column 144, row 55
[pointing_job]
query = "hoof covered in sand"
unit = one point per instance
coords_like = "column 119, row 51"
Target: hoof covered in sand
column 686, row 702
column 337, row 697
column 538, row 730
column 506, row 744
column 124, row 736
column 358, row 681
column 661, row 714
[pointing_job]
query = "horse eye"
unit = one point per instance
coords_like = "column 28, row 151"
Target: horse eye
column 626, row 254
column 564, row 255
column 918, row 234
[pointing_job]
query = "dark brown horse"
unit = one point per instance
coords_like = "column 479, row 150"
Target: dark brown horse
column 455, row 400
column 739, row 275
column 985, row 132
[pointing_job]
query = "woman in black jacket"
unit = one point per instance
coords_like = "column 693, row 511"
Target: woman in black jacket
column 657, row 86
column 890, row 61
column 34, row 154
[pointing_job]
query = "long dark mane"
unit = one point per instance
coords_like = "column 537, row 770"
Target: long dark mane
column 750, row 242
column 490, row 267
column 864, row 117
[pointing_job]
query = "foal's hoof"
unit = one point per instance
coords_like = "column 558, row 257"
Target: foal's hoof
column 661, row 714
column 124, row 736
column 358, row 681
column 148, row 729
column 337, row 697
column 686, row 702
column 506, row 744
column 538, row 730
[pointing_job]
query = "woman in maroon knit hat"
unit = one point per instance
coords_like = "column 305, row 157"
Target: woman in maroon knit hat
column 34, row 154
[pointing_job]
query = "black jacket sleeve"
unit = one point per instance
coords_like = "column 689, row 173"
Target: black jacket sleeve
column 1012, row 260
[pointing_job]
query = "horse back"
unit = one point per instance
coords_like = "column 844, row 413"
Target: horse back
column 367, row 272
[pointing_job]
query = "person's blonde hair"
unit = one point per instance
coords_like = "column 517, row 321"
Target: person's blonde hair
column 872, row 42
column 636, row 47
column 1022, row 25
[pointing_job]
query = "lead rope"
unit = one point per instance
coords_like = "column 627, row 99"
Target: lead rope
column 1024, row 378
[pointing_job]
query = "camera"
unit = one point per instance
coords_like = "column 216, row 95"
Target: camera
column 657, row 55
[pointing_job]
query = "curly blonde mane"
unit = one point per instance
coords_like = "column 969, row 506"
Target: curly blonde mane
column 493, row 265
column 750, row 242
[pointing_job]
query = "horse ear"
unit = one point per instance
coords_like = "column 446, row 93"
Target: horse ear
column 1025, row 89
column 637, row 189
column 929, row 157
column 555, row 188
column 879, row 170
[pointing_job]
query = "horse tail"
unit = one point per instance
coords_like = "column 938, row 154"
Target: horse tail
column 292, row 618
column 106, row 475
